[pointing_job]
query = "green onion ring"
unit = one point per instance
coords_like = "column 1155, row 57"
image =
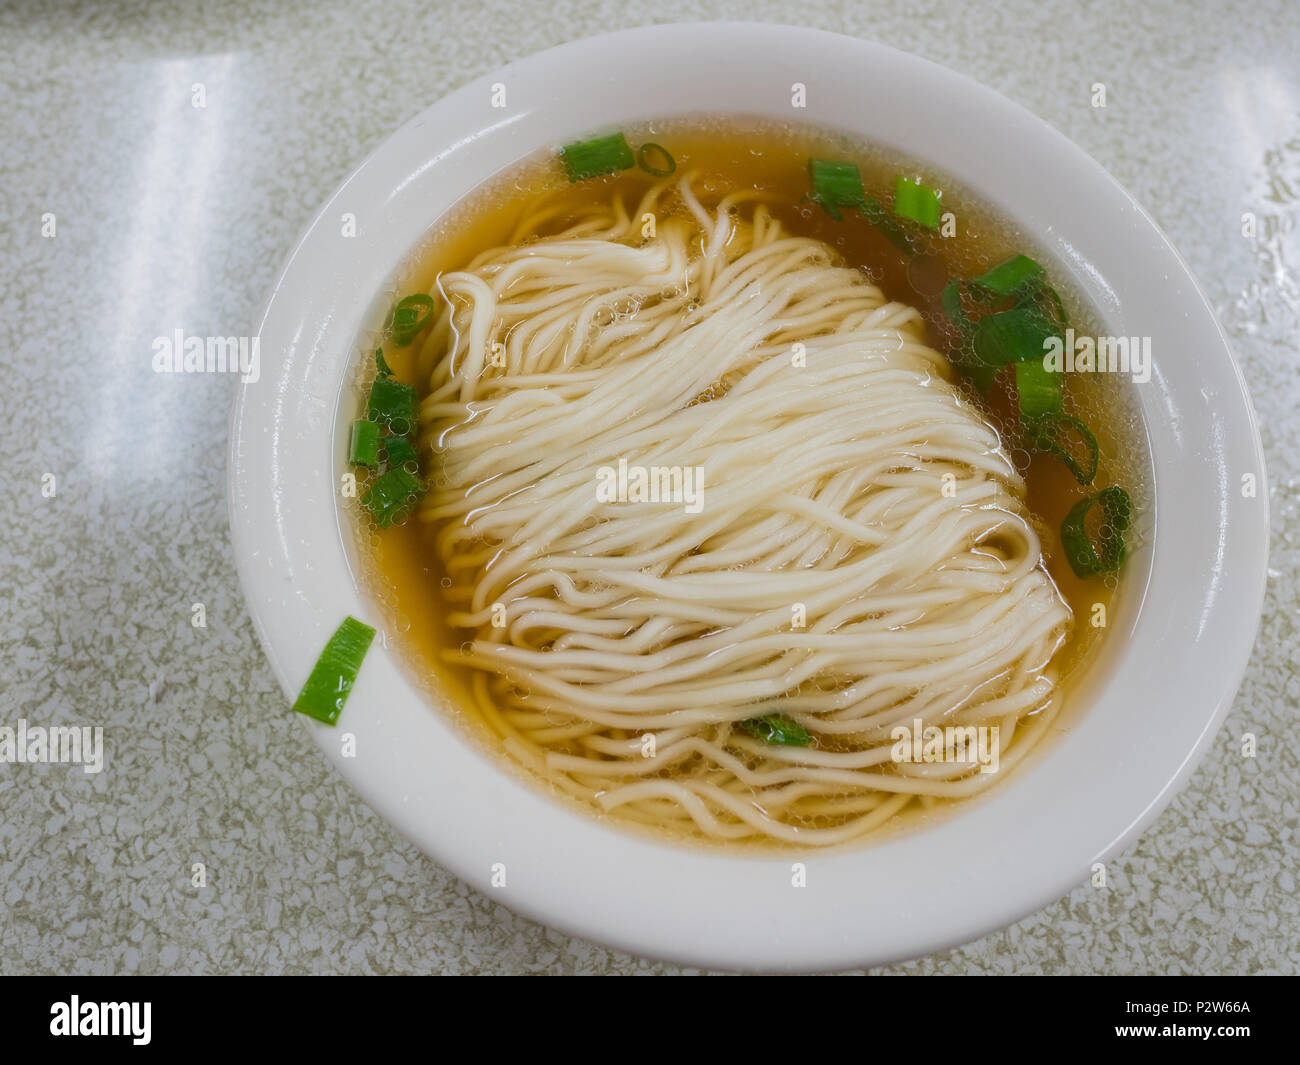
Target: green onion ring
column 651, row 146
column 410, row 316
column 1085, row 559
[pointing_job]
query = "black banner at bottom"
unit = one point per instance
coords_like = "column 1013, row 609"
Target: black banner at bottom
column 335, row 1013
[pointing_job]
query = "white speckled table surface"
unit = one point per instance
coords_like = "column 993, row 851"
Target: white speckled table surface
column 168, row 216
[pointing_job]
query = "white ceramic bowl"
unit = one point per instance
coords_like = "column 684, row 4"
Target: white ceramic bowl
column 1168, row 678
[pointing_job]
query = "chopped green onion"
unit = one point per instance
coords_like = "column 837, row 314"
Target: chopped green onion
column 1017, row 335
column 980, row 372
column 365, row 444
column 603, row 155
column 918, row 202
column 778, row 729
column 1024, row 278
column 392, row 403
column 335, row 672
column 410, row 316
column 1050, row 434
column 836, row 185
column 880, row 218
column 391, row 497
column 1009, row 276
column 382, row 364
column 1012, row 336
column 839, row 184
column 649, row 154
column 983, row 375
column 400, row 452
column 1042, row 294
column 1038, row 390
column 1085, row 559
column 952, row 306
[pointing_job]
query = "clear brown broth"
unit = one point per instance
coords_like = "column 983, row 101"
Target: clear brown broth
column 402, row 568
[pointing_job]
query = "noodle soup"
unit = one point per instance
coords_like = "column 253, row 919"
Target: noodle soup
column 729, row 524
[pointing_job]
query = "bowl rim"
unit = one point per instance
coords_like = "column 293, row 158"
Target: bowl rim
column 1028, row 842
